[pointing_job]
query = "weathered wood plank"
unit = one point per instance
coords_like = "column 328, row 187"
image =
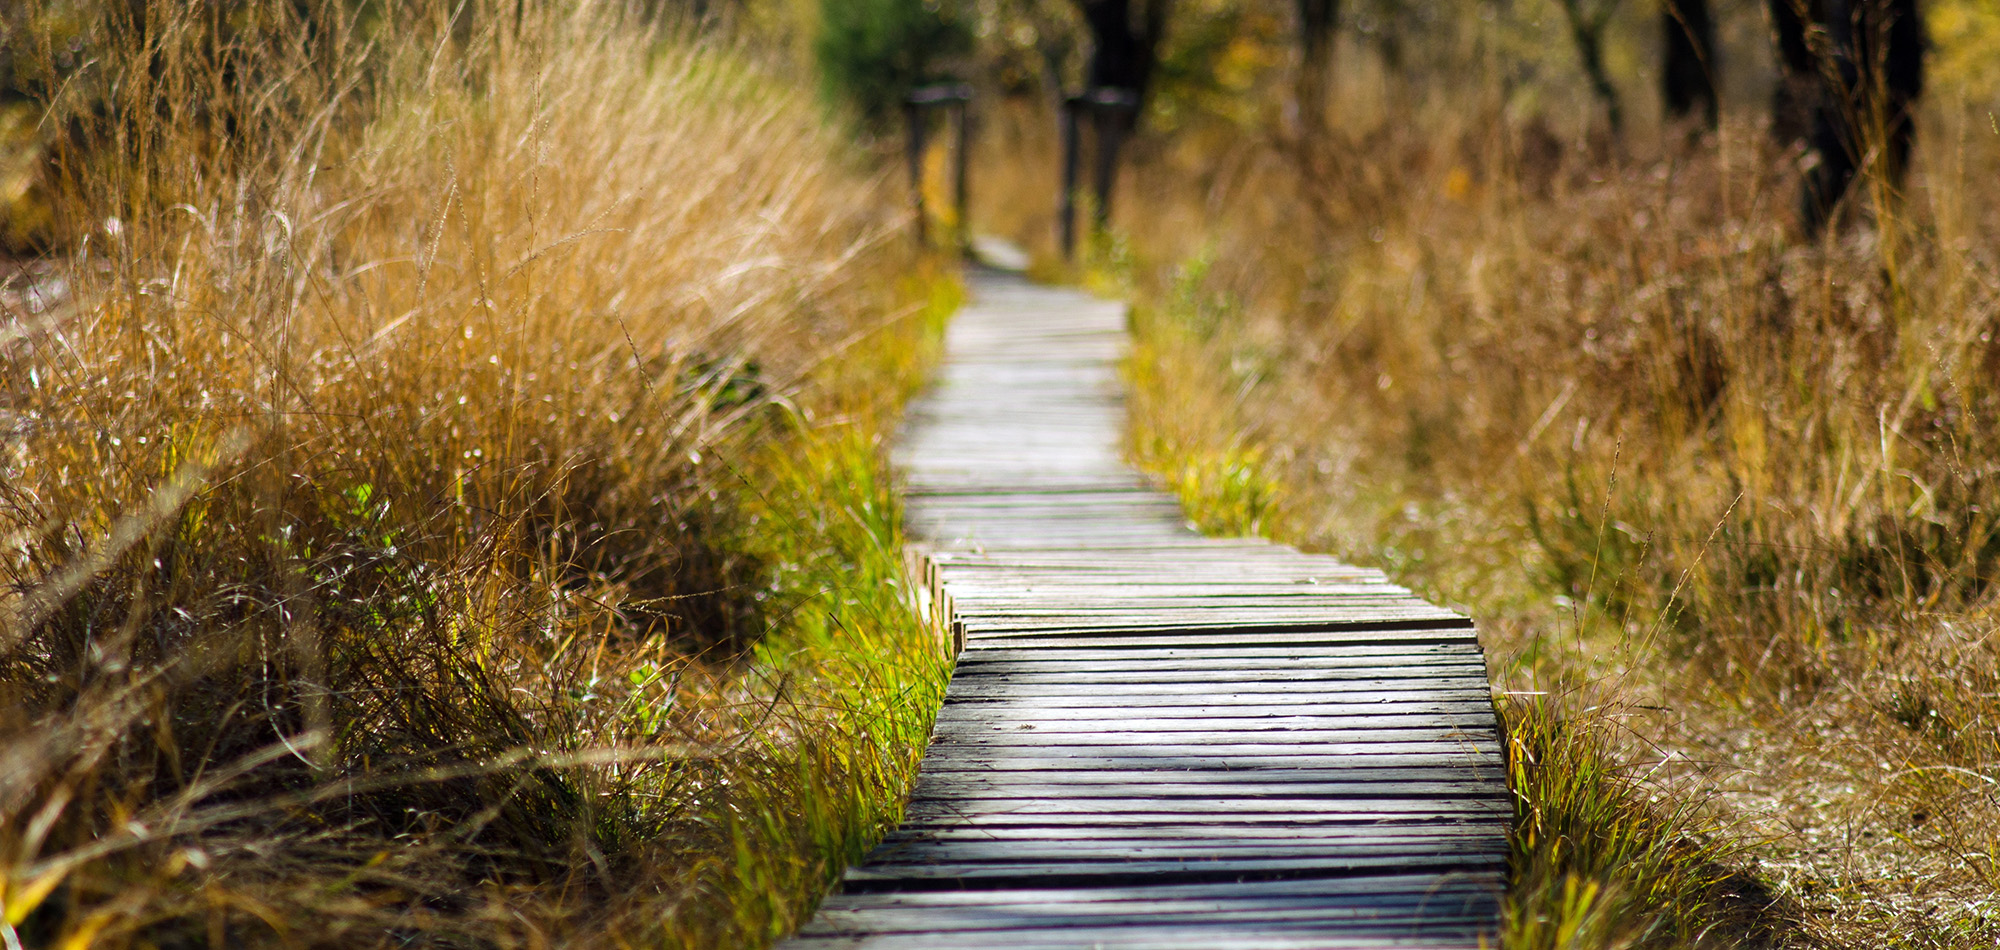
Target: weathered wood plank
column 1199, row 833
column 1360, row 781
column 1081, row 819
column 1469, row 688
column 981, row 760
column 960, row 724
column 1397, row 858
column 1248, row 704
column 1222, row 654
column 1175, row 936
column 1170, row 636
column 1334, row 890
column 1472, row 672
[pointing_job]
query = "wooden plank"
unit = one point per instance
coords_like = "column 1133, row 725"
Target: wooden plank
column 1082, row 705
column 1220, row 654
column 1017, row 688
column 1082, row 819
column 1110, row 672
column 1199, row 833
column 1086, row 604
column 1337, row 737
column 1173, row 937
column 1363, row 780
column 1195, row 798
column 961, row 725
column 1016, row 715
column 1235, row 623
column 1145, row 638
column 987, row 853
column 1394, row 858
column 1396, row 913
column 1474, row 673
column 976, row 760
column 1416, row 886
column 1141, row 669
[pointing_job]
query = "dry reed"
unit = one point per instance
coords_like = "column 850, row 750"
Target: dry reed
column 394, row 549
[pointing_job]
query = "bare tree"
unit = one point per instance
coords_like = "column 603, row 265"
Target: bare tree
column 1319, row 21
column 1688, row 64
column 1125, row 47
column 1125, row 42
column 1798, row 78
column 1860, row 63
column 1587, row 20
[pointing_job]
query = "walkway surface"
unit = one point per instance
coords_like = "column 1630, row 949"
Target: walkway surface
column 1154, row 739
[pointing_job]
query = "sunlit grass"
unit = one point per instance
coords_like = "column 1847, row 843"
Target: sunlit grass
column 441, row 498
column 1733, row 481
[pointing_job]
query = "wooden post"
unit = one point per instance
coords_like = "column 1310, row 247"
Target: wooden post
column 1066, row 199
column 1109, row 109
column 957, row 96
column 960, row 194
column 913, row 114
column 1109, row 131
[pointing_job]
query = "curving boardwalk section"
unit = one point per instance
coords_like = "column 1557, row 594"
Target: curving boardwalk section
column 1154, row 739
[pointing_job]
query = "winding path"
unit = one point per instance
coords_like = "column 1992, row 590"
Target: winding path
column 1155, row 739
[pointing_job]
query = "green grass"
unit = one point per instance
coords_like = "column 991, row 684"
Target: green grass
column 1600, row 859
column 1185, row 427
column 852, row 674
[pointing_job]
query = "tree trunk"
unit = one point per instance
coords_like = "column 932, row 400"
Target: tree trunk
column 1123, row 54
column 1798, row 83
column 1123, row 51
column 1319, row 21
column 1870, row 76
column 1586, row 30
column 1688, row 68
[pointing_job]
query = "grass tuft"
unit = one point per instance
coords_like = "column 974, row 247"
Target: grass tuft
column 1600, row 860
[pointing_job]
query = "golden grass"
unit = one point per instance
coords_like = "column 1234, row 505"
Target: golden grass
column 441, row 504
column 1736, row 484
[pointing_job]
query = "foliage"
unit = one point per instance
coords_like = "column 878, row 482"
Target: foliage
column 874, row 53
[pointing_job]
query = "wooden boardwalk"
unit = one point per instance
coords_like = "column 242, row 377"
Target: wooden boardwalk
column 1154, row 739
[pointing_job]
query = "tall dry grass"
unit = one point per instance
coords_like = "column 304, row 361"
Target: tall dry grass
column 398, row 543
column 1733, row 484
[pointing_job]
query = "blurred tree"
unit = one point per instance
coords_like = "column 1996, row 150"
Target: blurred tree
column 1124, row 53
column 1861, row 62
column 1688, row 67
column 1587, row 21
column 1797, row 87
column 1125, row 42
column 1319, row 20
column 872, row 53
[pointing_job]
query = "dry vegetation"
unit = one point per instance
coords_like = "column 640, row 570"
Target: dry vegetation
column 439, row 493
column 1723, row 498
